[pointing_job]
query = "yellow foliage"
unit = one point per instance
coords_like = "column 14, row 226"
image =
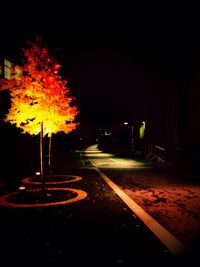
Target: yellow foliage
column 40, row 95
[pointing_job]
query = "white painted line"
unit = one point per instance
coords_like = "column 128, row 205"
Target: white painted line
column 174, row 245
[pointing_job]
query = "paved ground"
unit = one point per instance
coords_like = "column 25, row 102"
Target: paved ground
column 99, row 230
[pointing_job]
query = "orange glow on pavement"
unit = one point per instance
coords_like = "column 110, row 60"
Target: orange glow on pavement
column 80, row 195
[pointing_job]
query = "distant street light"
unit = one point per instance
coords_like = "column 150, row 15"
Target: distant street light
column 132, row 137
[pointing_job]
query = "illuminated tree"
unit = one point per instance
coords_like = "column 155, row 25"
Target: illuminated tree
column 40, row 99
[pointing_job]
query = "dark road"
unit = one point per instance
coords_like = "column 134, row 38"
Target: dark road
column 96, row 231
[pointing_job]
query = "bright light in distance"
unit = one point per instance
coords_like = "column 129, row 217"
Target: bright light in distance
column 37, row 173
column 126, row 123
column 22, row 188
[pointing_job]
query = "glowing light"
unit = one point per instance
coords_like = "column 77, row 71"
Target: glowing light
column 80, row 194
column 107, row 133
column 22, row 188
column 142, row 130
column 37, row 173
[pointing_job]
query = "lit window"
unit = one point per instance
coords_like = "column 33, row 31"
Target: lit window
column 17, row 73
column 7, row 69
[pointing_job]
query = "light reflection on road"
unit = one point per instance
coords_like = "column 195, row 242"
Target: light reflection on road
column 101, row 159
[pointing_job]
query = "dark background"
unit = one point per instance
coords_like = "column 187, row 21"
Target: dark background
column 122, row 61
column 112, row 55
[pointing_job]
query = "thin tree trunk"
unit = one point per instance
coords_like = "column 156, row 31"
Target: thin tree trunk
column 49, row 160
column 41, row 157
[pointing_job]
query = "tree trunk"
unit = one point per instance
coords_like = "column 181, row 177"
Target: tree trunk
column 41, row 157
column 49, row 159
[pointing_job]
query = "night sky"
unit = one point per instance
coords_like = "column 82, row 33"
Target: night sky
column 113, row 57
